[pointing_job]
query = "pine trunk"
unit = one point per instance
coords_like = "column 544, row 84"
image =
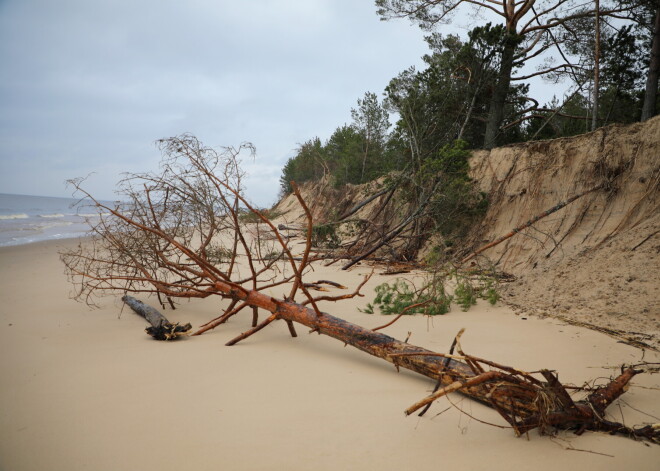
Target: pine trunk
column 500, row 93
column 651, row 94
column 524, row 401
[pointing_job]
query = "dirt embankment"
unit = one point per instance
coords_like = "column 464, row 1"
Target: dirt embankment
column 595, row 260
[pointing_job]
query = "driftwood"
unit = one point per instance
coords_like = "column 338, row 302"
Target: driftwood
column 161, row 328
column 523, row 400
column 283, row 227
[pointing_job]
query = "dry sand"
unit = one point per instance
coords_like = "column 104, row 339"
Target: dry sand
column 83, row 389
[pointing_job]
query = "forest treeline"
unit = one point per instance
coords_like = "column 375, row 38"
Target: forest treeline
column 475, row 89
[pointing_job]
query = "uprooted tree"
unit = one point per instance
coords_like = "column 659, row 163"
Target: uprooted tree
column 184, row 233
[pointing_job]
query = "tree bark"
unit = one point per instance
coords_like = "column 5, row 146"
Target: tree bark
column 500, row 93
column 525, row 402
column 651, row 93
column 594, row 116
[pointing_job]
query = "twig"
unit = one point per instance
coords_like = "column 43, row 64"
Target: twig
column 342, row 296
column 403, row 312
column 252, row 331
column 647, row 238
column 445, row 364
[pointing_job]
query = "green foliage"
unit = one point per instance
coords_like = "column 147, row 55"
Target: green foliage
column 490, row 293
column 354, row 154
column 308, row 164
column 249, row 217
column 432, row 298
column 451, row 98
column 325, row 235
column 396, row 297
column 457, row 203
column 217, row 254
column 621, row 88
column 465, row 294
column 470, row 288
column 344, row 150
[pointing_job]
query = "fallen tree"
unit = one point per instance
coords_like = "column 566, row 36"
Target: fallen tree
column 179, row 235
column 524, row 401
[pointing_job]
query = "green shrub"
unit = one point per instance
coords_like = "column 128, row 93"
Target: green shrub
column 250, row 217
column 217, row 254
column 394, row 298
column 432, row 299
column 325, row 235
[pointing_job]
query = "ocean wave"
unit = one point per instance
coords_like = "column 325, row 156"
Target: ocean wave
column 51, row 216
column 55, row 224
column 14, row 216
column 90, row 215
column 40, row 227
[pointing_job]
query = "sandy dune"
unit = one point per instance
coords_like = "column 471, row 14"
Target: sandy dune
column 84, row 389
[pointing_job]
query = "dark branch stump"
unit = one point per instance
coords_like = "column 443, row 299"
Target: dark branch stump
column 161, row 328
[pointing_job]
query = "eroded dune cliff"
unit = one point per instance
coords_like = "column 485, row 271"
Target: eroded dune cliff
column 595, row 260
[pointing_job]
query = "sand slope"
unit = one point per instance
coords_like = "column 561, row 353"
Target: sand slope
column 85, row 389
column 595, row 260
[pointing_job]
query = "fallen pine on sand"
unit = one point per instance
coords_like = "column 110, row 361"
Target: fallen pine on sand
column 166, row 241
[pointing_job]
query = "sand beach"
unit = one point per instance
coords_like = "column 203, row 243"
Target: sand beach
column 87, row 389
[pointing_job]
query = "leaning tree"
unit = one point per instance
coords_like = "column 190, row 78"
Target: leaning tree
column 188, row 231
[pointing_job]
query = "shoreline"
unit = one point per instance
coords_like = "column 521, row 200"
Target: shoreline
column 87, row 389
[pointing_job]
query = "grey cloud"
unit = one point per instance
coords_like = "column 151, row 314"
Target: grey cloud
column 89, row 85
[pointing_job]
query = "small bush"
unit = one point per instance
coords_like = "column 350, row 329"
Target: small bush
column 325, row 235
column 249, row 217
column 394, row 298
column 432, row 299
column 217, row 254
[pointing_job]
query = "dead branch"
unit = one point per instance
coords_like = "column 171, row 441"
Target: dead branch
column 161, row 328
column 362, row 204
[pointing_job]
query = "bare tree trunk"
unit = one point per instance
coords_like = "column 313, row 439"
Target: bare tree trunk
column 594, row 116
column 468, row 116
column 498, row 100
column 651, row 93
column 364, row 160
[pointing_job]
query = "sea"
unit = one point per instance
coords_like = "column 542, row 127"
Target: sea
column 25, row 219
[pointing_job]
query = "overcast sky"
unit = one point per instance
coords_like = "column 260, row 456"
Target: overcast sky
column 89, row 85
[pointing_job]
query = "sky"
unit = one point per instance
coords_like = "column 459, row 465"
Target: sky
column 88, row 86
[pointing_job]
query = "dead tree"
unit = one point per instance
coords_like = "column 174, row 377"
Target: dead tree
column 179, row 233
